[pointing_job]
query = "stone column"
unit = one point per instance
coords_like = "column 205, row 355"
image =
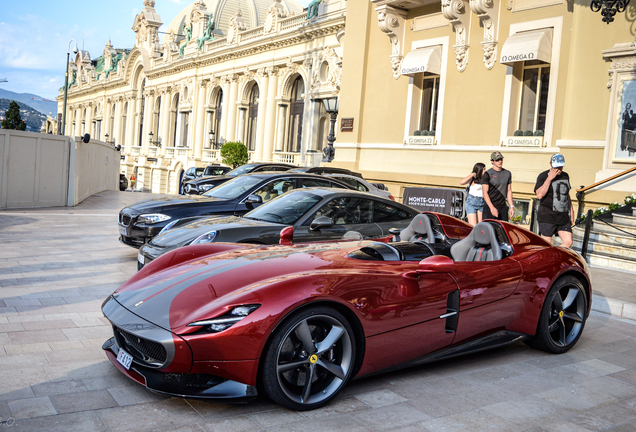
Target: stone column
column 106, row 122
column 282, row 120
column 270, row 116
column 200, row 120
column 88, row 126
column 260, row 122
column 164, row 121
column 130, row 124
column 314, row 121
column 119, row 113
column 241, row 124
column 231, row 109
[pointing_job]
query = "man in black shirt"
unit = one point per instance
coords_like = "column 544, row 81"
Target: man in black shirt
column 497, row 189
column 555, row 215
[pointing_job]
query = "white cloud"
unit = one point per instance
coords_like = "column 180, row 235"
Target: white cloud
column 52, row 80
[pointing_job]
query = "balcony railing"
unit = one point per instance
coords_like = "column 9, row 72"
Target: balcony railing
column 135, row 150
column 210, row 155
column 287, row 157
column 170, row 151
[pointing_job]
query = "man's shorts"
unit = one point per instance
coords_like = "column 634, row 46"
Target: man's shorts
column 549, row 229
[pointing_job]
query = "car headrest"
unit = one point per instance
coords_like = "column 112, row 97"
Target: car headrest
column 484, row 234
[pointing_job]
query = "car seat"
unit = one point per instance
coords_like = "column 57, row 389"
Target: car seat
column 480, row 245
column 420, row 229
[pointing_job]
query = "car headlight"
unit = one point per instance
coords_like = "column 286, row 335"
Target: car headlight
column 227, row 320
column 152, row 218
column 205, row 238
column 170, row 225
column 205, row 187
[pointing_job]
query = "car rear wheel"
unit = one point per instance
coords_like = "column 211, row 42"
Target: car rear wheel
column 562, row 317
column 309, row 359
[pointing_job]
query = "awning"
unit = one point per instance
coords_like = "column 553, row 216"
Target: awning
column 420, row 60
column 528, row 45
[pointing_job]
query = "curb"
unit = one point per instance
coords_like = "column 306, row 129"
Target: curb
column 613, row 307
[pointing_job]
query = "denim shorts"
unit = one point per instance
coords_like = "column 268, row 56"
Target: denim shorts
column 474, row 204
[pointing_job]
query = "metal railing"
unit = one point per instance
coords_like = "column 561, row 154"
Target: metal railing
column 580, row 193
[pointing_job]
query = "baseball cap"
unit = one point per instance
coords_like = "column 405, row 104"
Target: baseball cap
column 557, row 160
column 495, row 156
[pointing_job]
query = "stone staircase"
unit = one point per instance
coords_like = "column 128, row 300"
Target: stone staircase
column 610, row 246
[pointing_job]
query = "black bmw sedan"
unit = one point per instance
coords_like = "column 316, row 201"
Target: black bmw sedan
column 315, row 213
column 201, row 185
column 143, row 220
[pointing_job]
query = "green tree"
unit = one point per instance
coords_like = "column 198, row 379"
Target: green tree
column 234, row 154
column 12, row 119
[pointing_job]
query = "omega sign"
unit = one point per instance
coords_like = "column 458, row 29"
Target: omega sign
column 412, row 70
column 523, row 141
column 517, row 57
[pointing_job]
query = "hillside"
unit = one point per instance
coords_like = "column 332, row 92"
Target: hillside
column 32, row 117
column 34, row 101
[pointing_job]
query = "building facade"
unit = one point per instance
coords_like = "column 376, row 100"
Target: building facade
column 224, row 71
column 431, row 87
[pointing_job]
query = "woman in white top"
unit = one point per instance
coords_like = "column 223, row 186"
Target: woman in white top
column 474, row 196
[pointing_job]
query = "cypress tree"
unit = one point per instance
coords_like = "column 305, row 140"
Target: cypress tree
column 12, row 119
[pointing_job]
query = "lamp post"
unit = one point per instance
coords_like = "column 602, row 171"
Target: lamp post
column 68, row 54
column 331, row 106
column 609, row 8
column 211, row 136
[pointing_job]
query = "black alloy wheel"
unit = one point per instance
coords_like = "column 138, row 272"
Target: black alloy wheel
column 562, row 318
column 309, row 359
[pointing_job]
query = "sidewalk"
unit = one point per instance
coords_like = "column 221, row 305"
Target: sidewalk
column 614, row 292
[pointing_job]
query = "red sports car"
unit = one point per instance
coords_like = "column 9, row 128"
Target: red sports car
column 296, row 322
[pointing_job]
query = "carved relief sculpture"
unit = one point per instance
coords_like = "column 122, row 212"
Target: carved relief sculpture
column 488, row 13
column 274, row 13
column 146, row 26
column 392, row 22
column 455, row 12
column 237, row 24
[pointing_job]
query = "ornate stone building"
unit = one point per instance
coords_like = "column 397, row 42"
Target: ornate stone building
column 252, row 71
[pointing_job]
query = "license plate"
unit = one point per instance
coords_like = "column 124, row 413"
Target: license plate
column 124, row 358
column 122, row 230
column 140, row 258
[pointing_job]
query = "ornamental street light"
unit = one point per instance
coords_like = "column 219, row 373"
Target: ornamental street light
column 331, row 106
column 154, row 143
column 609, row 8
column 68, row 54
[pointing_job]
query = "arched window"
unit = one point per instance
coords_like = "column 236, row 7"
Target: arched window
column 141, row 113
column 122, row 134
column 175, row 119
column 252, row 117
column 296, row 107
column 155, row 120
column 218, row 113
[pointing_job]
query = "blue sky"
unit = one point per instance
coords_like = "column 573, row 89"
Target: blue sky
column 34, row 36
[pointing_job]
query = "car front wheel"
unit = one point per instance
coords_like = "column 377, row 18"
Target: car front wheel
column 309, row 359
column 562, row 317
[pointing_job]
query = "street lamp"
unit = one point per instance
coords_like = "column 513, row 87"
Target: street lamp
column 331, row 106
column 610, row 7
column 68, row 54
column 211, row 136
column 155, row 143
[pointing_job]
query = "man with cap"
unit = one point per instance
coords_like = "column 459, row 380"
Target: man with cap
column 555, row 215
column 497, row 190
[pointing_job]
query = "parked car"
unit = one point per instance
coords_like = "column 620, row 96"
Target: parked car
column 362, row 185
column 326, row 170
column 123, row 182
column 314, row 213
column 204, row 184
column 142, row 221
column 298, row 321
column 199, row 172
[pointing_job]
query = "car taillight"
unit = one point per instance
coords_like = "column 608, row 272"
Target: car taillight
column 391, row 197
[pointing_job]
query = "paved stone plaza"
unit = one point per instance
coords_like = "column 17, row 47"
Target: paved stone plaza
column 58, row 264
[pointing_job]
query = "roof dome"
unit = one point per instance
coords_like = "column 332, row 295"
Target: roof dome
column 252, row 11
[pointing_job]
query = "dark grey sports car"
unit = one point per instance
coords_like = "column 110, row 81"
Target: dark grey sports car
column 315, row 213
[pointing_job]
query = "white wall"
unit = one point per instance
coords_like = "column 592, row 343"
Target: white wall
column 36, row 168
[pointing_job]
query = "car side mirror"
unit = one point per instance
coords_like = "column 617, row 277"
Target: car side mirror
column 321, row 222
column 395, row 231
column 286, row 235
column 254, row 199
column 436, row 264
